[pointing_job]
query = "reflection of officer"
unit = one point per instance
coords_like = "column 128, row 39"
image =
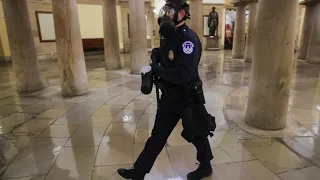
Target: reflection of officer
column 179, row 56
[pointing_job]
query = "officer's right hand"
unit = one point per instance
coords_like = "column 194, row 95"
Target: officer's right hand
column 155, row 68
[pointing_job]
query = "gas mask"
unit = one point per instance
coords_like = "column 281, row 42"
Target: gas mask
column 170, row 16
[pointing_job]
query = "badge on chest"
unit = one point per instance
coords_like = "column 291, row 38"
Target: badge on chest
column 171, row 55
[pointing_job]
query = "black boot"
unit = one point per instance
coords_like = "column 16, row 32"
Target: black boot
column 203, row 171
column 132, row 174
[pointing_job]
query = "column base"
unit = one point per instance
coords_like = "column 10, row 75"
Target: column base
column 237, row 118
column 135, row 73
column 112, row 68
column 312, row 62
column 235, row 111
column 237, row 57
column 263, row 125
column 74, row 94
column 248, row 60
column 213, row 49
column 302, row 56
column 5, row 59
column 26, row 89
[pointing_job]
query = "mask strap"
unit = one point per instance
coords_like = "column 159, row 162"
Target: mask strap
column 180, row 24
column 182, row 21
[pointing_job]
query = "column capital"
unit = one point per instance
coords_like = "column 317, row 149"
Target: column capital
column 309, row 2
column 242, row 2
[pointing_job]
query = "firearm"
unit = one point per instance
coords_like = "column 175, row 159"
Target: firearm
column 149, row 78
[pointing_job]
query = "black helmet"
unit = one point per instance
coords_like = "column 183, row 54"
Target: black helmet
column 178, row 2
column 182, row 4
column 168, row 17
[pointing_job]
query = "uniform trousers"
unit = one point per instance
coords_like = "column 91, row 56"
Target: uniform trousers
column 168, row 115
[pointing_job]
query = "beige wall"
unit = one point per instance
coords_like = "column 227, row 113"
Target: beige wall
column 124, row 25
column 122, row 13
column 4, row 43
column 90, row 19
column 48, row 49
column 119, row 19
column 156, row 29
column 90, row 2
column 301, row 14
column 43, row 49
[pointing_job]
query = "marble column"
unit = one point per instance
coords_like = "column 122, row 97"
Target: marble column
column 138, row 36
column 272, row 64
column 120, row 30
column 150, row 25
column 24, row 55
column 239, row 33
column 251, row 32
column 111, row 36
column 306, row 32
column 73, row 75
column 313, row 55
column 196, row 22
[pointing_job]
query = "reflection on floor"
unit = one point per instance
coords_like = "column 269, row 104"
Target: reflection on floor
column 46, row 136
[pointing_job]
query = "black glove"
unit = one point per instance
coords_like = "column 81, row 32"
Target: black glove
column 155, row 68
column 155, row 55
column 153, row 65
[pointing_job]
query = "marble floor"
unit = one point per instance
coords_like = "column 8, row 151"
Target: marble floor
column 46, row 136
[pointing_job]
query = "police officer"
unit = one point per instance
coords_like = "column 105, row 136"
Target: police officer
column 179, row 55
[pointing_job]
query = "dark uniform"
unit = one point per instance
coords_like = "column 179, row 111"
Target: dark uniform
column 175, row 71
column 180, row 56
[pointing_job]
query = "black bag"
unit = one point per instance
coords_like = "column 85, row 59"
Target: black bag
column 196, row 121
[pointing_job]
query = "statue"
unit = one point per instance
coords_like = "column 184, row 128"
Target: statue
column 213, row 22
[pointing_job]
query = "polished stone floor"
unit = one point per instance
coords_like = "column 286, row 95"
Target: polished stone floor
column 46, row 136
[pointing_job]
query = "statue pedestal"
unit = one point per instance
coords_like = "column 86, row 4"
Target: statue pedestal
column 213, row 43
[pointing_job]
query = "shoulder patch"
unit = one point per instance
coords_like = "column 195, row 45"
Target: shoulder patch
column 187, row 47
